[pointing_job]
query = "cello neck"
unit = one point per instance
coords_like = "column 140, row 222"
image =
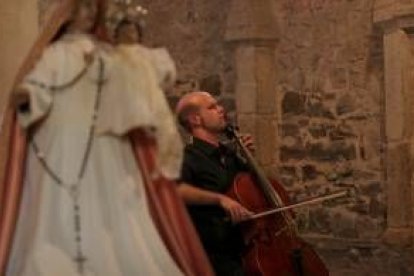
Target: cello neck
column 271, row 195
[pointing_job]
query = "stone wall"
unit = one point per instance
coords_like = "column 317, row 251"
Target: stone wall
column 330, row 71
column 329, row 92
column 330, row 110
column 193, row 31
column 329, row 68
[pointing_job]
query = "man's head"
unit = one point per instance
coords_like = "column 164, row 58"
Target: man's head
column 200, row 114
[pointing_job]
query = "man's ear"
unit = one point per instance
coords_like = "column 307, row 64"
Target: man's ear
column 194, row 119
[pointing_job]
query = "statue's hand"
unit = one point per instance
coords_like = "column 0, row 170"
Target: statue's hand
column 88, row 58
column 21, row 99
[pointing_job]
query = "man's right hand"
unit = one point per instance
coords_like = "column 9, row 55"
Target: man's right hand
column 198, row 196
column 234, row 209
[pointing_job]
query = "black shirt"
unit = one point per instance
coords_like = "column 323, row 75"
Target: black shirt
column 213, row 168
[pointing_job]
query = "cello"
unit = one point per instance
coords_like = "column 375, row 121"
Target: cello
column 273, row 246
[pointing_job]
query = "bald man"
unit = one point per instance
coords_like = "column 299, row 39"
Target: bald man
column 208, row 171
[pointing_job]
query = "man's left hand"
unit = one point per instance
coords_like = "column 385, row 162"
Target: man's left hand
column 248, row 142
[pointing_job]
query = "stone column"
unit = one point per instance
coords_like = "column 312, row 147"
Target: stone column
column 18, row 28
column 396, row 20
column 251, row 31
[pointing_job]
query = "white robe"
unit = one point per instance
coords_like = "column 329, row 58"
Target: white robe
column 118, row 234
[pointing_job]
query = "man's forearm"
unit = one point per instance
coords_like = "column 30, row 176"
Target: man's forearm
column 198, row 196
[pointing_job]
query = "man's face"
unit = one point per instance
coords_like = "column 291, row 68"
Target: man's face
column 211, row 114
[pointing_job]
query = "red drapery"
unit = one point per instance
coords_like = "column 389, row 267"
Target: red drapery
column 10, row 188
column 169, row 212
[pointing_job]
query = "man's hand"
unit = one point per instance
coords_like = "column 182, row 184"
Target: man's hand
column 248, row 142
column 197, row 196
column 235, row 210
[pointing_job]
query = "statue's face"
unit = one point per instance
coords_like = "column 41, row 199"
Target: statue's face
column 84, row 16
column 127, row 34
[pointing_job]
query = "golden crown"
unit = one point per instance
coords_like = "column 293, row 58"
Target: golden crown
column 119, row 10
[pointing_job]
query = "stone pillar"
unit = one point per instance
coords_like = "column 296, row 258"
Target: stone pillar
column 18, row 28
column 396, row 20
column 251, row 31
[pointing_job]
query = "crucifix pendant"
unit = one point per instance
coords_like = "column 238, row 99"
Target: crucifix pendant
column 80, row 260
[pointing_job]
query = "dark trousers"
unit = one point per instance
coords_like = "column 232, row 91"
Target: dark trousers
column 226, row 265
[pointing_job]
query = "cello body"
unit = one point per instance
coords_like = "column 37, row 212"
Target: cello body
column 273, row 247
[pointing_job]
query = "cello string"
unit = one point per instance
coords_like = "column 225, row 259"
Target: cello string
column 269, row 192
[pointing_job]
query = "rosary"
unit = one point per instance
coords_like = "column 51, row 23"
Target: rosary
column 74, row 188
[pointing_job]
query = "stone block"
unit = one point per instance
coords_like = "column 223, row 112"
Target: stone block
column 398, row 236
column 319, row 221
column 265, row 77
column 398, row 185
column 296, row 153
column 397, row 96
column 346, row 104
column 246, row 85
column 339, row 78
column 245, row 63
column 341, row 132
column 293, row 103
column 288, row 175
column 247, row 123
column 212, row 84
column 246, row 21
column 296, row 78
column 370, row 140
column 266, row 139
column 228, row 104
column 318, row 131
column 368, row 187
column 246, row 98
column 377, row 209
column 389, row 10
column 343, row 224
column 319, row 110
column 289, row 130
column 309, row 172
column 331, row 152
